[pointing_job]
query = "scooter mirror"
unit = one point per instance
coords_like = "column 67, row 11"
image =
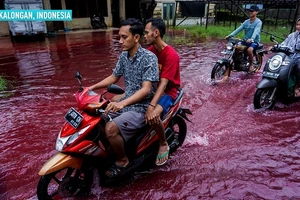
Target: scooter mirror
column 115, row 89
column 78, row 75
column 272, row 38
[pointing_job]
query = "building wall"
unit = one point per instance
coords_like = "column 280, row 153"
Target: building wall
column 76, row 23
column 158, row 12
column 4, row 29
column 85, row 23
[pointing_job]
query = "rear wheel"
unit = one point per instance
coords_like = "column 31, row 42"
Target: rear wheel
column 220, row 73
column 176, row 133
column 263, row 98
column 64, row 183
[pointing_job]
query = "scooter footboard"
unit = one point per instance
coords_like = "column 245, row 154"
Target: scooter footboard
column 60, row 161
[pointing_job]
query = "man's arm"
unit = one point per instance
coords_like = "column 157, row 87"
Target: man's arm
column 239, row 29
column 139, row 95
column 287, row 40
column 168, row 74
column 136, row 97
column 160, row 91
column 105, row 82
column 113, row 78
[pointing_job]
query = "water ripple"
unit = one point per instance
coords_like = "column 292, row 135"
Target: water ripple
column 232, row 151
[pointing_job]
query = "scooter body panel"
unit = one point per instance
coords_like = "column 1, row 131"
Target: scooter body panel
column 83, row 147
column 267, row 83
column 59, row 162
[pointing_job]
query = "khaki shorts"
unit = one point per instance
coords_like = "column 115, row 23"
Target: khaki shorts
column 129, row 123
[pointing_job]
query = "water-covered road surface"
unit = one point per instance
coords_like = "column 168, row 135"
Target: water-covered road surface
column 231, row 151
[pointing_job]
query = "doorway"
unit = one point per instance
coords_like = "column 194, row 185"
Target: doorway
column 56, row 5
column 115, row 11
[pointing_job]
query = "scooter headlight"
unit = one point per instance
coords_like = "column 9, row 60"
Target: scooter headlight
column 62, row 141
column 229, row 46
column 275, row 62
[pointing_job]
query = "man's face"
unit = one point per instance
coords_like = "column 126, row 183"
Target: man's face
column 150, row 34
column 298, row 26
column 252, row 13
column 127, row 40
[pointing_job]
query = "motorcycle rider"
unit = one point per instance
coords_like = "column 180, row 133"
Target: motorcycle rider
column 252, row 28
column 166, row 93
column 293, row 42
column 139, row 68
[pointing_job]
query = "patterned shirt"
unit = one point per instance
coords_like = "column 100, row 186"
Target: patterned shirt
column 142, row 67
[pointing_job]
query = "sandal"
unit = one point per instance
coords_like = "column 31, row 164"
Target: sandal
column 115, row 170
column 161, row 159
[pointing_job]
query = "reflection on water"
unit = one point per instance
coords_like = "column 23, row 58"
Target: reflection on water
column 231, row 152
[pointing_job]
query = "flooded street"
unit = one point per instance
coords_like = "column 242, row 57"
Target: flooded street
column 231, row 151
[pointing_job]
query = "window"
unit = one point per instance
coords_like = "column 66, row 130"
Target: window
column 87, row 8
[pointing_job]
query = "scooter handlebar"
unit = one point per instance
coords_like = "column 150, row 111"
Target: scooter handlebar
column 102, row 111
column 284, row 49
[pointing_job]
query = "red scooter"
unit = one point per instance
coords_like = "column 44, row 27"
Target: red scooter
column 82, row 146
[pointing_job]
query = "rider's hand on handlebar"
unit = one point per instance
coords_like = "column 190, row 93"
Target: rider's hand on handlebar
column 270, row 48
column 114, row 107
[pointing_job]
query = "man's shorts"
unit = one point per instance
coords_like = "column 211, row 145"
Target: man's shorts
column 254, row 45
column 165, row 102
column 129, row 123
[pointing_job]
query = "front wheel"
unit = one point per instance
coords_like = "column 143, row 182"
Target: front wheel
column 264, row 98
column 220, row 73
column 67, row 182
column 176, row 133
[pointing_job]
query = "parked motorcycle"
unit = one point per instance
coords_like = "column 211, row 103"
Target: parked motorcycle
column 82, row 146
column 236, row 59
column 98, row 21
column 278, row 80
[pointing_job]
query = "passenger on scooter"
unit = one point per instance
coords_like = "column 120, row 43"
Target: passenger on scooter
column 252, row 28
column 166, row 93
column 139, row 68
column 293, row 42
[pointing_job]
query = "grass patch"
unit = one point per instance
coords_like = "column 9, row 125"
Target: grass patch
column 221, row 31
column 177, row 40
column 5, row 87
column 3, row 84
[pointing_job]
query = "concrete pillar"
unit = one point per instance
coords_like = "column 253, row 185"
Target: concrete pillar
column 122, row 10
column 47, row 6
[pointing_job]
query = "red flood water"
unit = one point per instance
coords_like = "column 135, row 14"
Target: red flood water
column 231, row 151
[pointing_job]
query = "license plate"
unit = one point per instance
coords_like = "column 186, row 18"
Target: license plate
column 270, row 75
column 73, row 117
